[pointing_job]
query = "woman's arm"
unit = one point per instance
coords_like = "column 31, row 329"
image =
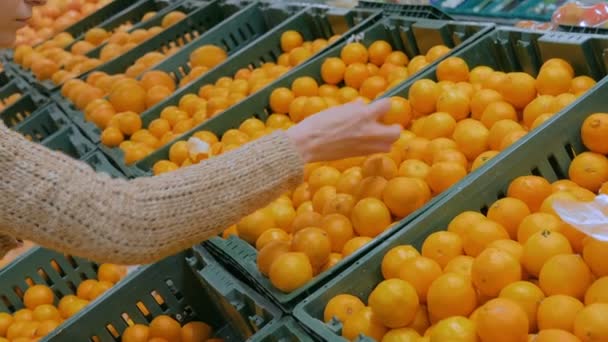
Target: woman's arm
column 62, row 204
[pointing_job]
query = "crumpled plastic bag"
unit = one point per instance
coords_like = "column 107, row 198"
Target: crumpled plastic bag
column 198, row 149
column 591, row 218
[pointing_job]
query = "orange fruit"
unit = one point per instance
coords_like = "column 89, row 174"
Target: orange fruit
column 589, row 170
column 502, row 319
column 306, row 220
column 298, row 55
column 531, row 189
column 291, row 40
column 423, row 96
column 591, row 323
column 111, row 273
column 354, row 244
column 462, row 264
column 537, row 222
column 339, row 230
column 305, row 86
column 500, row 130
column 112, row 137
column 354, row 53
column 395, row 258
column 417, row 148
column 480, row 234
column 323, row 176
column 401, row 335
column 373, row 86
column 581, row 84
column 379, row 166
column 493, row 269
column 38, row 295
column 332, row 70
column 207, row 56
column 398, row 58
column 136, row 333
column 595, row 253
column 370, row 217
column 420, row 272
column 461, row 223
column 541, row 105
column 558, row 62
column 364, row 322
column 394, row 303
column 519, row 89
column 556, row 335
column 471, row 137
column 450, row 156
column 341, row 307
column 128, row 98
column 355, row 74
column 540, row 247
column 269, row 253
column 371, row 187
column 456, row 103
column 129, row 122
column 451, row 294
column 553, row 280
column 443, row 175
column 334, row 259
column 479, row 73
column 273, row 234
column 165, row 327
column 164, row 166
column 509, row 212
column 596, row 293
column 290, row 271
column 553, row 80
column 453, row 69
column 196, row 331
column 528, row 296
column 379, row 51
column 436, row 52
column 46, row 327
column 314, row 243
column 156, row 94
column 558, row 312
column 404, row 195
column 495, row 81
column 252, row 226
column 562, row 101
column 497, row 111
column 457, row 328
column 5, row 322
column 400, row 112
column 437, row 125
column 442, row 247
column 593, row 131
column 153, row 78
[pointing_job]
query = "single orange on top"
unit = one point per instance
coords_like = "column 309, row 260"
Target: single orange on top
column 453, row 69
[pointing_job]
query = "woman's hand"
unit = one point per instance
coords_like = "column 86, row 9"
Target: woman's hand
column 351, row 130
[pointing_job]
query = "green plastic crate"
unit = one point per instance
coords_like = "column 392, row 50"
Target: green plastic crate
column 28, row 105
column 407, row 10
column 101, row 164
column 423, row 34
column 532, row 155
column 285, row 330
column 224, row 24
column 36, row 265
column 68, row 140
column 42, row 123
column 191, row 288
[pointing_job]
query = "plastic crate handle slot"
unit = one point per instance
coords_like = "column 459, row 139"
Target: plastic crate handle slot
column 588, row 217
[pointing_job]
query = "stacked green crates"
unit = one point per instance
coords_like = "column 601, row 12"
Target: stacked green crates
column 545, row 152
column 188, row 288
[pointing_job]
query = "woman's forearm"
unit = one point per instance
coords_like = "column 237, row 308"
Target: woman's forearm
column 63, row 204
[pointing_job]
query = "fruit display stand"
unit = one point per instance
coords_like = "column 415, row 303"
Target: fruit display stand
column 312, row 23
column 423, row 35
column 68, row 140
column 40, row 124
column 100, row 163
column 532, row 155
column 531, row 10
column 187, row 288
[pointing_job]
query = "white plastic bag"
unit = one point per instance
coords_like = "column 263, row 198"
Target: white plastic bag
column 590, row 218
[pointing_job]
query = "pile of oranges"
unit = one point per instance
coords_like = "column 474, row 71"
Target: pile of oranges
column 40, row 316
column 518, row 273
column 451, row 127
column 50, row 60
column 164, row 328
column 54, row 17
column 9, row 100
column 212, row 99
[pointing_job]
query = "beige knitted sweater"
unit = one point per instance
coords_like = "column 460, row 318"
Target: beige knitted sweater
column 62, row 204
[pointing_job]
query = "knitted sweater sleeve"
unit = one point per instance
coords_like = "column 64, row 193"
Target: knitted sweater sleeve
column 62, row 204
